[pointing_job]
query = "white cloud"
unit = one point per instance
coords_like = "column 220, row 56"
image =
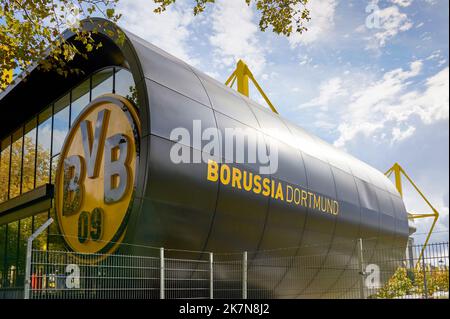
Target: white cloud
column 305, row 59
column 168, row 30
column 442, row 62
column 392, row 22
column 235, row 35
column 435, row 55
column 322, row 21
column 399, row 135
column 402, row 3
column 389, row 104
column 328, row 91
column 430, row 105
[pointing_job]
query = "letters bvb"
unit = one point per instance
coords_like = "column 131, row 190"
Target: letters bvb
column 116, row 164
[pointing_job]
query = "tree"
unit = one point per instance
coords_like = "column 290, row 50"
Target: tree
column 22, row 170
column 28, row 169
column 400, row 284
column 31, row 30
column 285, row 16
column 406, row 282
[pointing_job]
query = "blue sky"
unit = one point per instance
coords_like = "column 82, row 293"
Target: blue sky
column 373, row 83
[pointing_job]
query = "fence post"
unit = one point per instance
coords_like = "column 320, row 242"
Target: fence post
column 361, row 269
column 211, row 276
column 29, row 255
column 161, row 276
column 424, row 270
column 409, row 254
column 244, row 275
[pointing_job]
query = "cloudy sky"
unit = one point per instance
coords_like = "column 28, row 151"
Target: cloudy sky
column 370, row 77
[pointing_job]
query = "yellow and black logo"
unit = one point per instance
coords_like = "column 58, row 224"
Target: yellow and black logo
column 95, row 176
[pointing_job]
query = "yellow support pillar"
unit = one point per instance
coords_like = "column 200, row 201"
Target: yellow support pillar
column 242, row 75
column 398, row 178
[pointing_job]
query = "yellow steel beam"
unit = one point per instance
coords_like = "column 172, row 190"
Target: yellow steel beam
column 266, row 98
column 414, row 216
column 399, row 172
column 243, row 74
column 231, row 78
column 396, row 169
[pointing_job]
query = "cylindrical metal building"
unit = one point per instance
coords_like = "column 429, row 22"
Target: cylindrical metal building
column 174, row 205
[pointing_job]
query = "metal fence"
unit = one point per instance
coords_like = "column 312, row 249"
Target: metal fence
column 418, row 274
column 172, row 274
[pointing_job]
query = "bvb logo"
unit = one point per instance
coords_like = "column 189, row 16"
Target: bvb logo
column 96, row 174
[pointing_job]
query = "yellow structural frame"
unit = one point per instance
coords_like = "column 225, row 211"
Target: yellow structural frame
column 398, row 172
column 243, row 74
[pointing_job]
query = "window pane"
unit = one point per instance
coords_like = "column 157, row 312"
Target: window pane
column 125, row 85
column 11, row 254
column 24, row 234
column 44, row 147
column 4, row 168
column 80, row 98
column 55, row 160
column 16, row 164
column 55, row 241
column 29, row 156
column 102, row 83
column 62, row 103
column 60, row 123
column 2, row 254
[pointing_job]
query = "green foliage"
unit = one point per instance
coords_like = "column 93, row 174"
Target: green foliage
column 32, row 29
column 284, row 16
column 399, row 285
column 25, row 165
column 411, row 282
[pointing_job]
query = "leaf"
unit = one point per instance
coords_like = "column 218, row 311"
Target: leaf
column 89, row 47
column 110, row 13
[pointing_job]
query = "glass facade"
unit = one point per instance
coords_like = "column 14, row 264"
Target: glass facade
column 29, row 157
